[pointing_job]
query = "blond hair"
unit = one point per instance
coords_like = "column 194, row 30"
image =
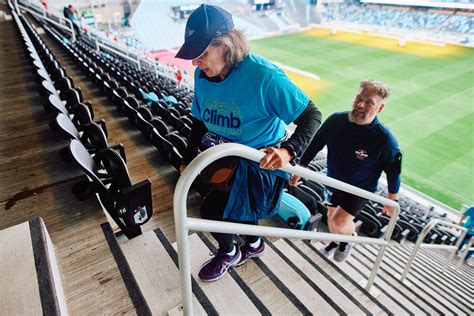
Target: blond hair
column 237, row 45
column 377, row 87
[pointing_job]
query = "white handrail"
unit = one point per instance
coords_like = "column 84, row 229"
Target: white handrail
column 113, row 50
column 422, row 236
column 31, row 11
column 183, row 223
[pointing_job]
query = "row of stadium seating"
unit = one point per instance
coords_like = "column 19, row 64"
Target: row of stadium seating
column 129, row 205
column 400, row 18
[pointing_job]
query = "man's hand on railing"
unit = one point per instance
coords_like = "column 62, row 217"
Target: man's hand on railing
column 388, row 210
column 294, row 180
column 275, row 158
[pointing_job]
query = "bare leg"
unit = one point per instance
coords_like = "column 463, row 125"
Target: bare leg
column 340, row 221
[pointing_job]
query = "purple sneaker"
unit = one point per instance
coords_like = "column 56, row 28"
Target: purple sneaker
column 250, row 252
column 216, row 267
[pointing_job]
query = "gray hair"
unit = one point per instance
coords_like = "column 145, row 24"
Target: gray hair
column 237, row 46
column 377, row 87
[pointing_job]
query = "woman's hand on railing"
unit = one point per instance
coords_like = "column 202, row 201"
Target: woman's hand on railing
column 275, row 158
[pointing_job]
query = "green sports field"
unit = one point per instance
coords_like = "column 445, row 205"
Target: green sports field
column 431, row 110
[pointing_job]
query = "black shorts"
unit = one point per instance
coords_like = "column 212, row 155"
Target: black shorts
column 352, row 204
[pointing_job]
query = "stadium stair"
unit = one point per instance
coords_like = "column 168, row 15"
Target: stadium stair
column 292, row 277
column 433, row 297
column 31, row 283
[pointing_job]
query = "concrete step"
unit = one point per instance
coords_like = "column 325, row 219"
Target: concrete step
column 387, row 290
column 430, row 295
column 156, row 272
column 435, row 259
column 31, row 282
column 431, row 278
column 337, row 291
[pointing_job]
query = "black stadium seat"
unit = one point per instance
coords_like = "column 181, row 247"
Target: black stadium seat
column 371, row 225
column 91, row 135
column 129, row 205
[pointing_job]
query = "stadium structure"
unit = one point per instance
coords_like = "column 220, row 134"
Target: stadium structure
column 96, row 218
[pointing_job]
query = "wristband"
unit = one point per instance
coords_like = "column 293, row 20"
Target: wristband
column 291, row 151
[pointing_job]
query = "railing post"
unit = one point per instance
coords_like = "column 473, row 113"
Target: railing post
column 453, row 252
column 387, row 237
column 182, row 241
column 422, row 236
column 420, row 239
column 464, row 253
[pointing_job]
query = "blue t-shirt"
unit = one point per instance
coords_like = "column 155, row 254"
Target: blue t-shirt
column 250, row 106
column 469, row 224
column 357, row 154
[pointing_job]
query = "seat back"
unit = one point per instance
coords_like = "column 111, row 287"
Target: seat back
column 82, row 114
column 116, row 170
column 49, row 88
column 71, row 96
column 132, row 102
column 65, row 123
column 163, row 145
column 89, row 166
column 143, row 125
column 57, row 105
column 94, row 136
column 160, row 126
column 178, row 141
column 63, row 84
column 145, row 113
column 371, row 225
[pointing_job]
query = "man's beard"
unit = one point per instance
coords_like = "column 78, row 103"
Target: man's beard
column 357, row 117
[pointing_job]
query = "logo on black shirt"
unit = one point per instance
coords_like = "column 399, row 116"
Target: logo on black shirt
column 361, row 154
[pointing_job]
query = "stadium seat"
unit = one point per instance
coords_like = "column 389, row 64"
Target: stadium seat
column 130, row 206
column 91, row 135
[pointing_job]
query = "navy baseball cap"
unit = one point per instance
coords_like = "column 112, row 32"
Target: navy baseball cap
column 205, row 23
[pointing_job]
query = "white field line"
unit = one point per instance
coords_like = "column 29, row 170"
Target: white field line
column 298, row 71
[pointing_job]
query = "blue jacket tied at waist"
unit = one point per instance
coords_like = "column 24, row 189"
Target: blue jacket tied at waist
column 256, row 193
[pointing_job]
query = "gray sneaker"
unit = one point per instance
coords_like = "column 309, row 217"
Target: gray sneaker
column 329, row 249
column 343, row 251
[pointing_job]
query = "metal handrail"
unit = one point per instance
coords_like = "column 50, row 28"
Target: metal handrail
column 31, row 11
column 422, row 236
column 113, row 50
column 183, row 224
column 108, row 44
